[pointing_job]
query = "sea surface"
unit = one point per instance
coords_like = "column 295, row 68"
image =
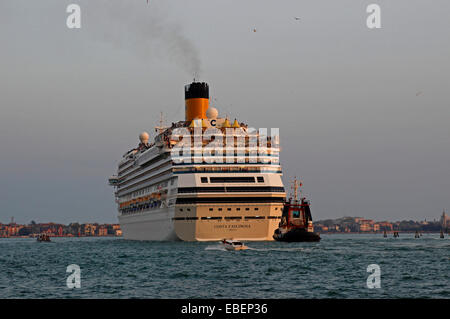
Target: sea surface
column 336, row 267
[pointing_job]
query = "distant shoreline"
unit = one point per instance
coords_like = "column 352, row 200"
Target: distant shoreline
column 34, row 237
column 380, row 233
column 327, row 233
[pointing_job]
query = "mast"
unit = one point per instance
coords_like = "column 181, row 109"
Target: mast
column 295, row 186
column 161, row 127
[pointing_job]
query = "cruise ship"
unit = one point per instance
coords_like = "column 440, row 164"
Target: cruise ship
column 201, row 179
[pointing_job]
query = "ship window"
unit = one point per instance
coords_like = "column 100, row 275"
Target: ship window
column 229, row 209
column 246, row 208
column 181, row 209
column 220, row 209
column 238, row 208
column 211, row 209
column 234, row 179
column 260, row 179
column 295, row 214
column 204, row 179
column 256, row 208
column 188, row 209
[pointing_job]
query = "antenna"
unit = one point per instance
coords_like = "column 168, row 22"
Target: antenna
column 161, row 127
column 296, row 187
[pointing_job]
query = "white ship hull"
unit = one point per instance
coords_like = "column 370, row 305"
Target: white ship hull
column 154, row 225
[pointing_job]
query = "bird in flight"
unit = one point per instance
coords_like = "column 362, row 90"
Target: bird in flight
column 297, row 18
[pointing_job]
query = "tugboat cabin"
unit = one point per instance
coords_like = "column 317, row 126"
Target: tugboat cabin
column 297, row 215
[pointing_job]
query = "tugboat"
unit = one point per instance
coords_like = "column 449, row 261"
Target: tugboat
column 296, row 221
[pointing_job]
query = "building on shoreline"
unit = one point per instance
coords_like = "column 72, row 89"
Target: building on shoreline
column 59, row 230
column 363, row 225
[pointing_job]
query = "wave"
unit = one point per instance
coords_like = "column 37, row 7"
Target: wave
column 221, row 248
column 215, row 247
column 278, row 249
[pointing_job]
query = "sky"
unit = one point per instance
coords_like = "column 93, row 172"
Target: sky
column 364, row 114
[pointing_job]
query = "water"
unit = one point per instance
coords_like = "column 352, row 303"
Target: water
column 334, row 268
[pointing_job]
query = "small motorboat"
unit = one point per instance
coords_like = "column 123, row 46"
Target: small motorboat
column 230, row 244
column 43, row 238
